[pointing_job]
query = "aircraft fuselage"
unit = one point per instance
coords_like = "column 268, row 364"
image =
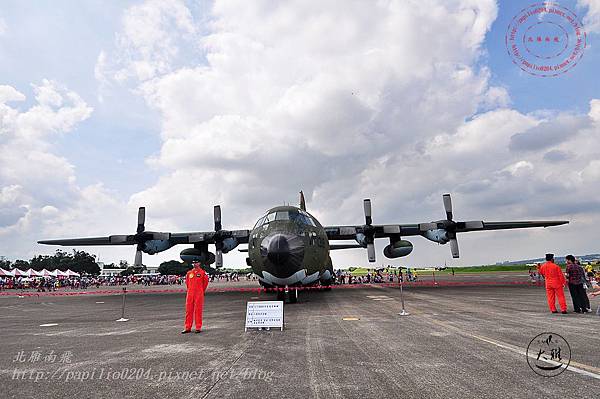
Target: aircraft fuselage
column 289, row 247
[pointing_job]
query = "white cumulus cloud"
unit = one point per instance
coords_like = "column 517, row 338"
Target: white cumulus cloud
column 39, row 194
column 375, row 99
column 591, row 19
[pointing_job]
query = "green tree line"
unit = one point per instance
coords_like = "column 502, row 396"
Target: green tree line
column 77, row 261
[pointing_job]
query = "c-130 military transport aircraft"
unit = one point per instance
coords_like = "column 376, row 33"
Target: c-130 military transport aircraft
column 288, row 247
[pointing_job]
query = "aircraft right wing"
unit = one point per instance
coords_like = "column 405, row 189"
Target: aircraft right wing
column 152, row 242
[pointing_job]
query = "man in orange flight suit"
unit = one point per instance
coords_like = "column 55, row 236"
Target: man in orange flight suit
column 555, row 283
column 196, row 282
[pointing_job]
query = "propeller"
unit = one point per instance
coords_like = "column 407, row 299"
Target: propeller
column 451, row 233
column 141, row 226
column 224, row 240
column 219, row 236
column 368, row 231
column 140, row 237
column 451, row 226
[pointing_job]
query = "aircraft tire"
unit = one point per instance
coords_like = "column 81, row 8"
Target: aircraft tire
column 293, row 295
column 281, row 296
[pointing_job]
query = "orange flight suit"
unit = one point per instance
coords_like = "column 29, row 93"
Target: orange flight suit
column 555, row 282
column 196, row 282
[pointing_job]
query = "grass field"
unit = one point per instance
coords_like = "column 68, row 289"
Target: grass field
column 361, row 271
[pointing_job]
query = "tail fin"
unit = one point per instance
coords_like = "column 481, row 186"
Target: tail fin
column 302, row 202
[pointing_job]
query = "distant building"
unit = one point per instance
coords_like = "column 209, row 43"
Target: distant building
column 107, row 272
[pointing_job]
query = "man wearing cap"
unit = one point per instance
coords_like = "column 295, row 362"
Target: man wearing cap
column 196, row 282
column 555, row 282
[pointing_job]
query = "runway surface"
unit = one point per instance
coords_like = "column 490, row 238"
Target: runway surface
column 457, row 342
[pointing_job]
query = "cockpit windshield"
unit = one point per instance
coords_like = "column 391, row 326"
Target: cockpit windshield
column 297, row 216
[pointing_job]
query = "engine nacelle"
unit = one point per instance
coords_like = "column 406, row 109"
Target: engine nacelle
column 437, row 235
column 191, row 255
column 361, row 239
column 398, row 249
column 229, row 244
column 155, row 246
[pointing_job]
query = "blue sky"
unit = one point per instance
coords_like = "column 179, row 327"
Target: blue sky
column 54, row 40
column 228, row 79
column 571, row 91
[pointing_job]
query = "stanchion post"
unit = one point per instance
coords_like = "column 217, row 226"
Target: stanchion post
column 123, row 306
column 403, row 312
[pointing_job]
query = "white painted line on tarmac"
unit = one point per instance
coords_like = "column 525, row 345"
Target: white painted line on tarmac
column 49, row 325
column 579, row 370
column 575, row 367
column 99, row 302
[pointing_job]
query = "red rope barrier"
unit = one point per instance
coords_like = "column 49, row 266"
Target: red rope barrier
column 275, row 289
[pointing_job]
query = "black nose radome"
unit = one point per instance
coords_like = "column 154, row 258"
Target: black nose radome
column 278, row 250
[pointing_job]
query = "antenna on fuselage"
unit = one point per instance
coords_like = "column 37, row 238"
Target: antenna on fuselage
column 302, row 201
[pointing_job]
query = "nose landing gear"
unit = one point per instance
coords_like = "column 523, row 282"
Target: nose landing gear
column 289, row 295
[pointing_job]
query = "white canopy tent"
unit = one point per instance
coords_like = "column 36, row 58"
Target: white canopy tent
column 6, row 273
column 33, row 273
column 60, row 273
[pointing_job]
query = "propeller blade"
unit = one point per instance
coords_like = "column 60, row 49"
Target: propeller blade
column 219, row 259
column 367, row 206
column 138, row 258
column 371, row 252
column 454, row 247
column 474, row 224
column 217, row 217
column 141, row 219
column 448, row 206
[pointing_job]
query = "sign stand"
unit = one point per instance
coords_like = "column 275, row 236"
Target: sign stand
column 123, row 307
column 403, row 312
column 264, row 315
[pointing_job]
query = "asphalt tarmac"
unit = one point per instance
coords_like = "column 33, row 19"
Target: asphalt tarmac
column 457, row 342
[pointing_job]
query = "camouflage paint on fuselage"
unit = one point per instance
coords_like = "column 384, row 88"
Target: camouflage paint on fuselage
column 288, row 246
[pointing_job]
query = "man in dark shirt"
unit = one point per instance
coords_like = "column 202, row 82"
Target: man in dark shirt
column 575, row 277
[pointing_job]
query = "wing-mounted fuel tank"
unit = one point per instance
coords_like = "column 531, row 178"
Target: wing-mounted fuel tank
column 398, row 249
column 191, row 255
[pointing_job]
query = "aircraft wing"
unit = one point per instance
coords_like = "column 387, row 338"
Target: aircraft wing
column 88, row 241
column 415, row 229
column 208, row 237
column 441, row 231
column 153, row 242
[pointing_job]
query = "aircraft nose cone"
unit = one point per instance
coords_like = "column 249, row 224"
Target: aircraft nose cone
column 278, row 250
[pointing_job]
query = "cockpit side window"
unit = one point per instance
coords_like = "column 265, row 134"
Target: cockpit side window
column 259, row 222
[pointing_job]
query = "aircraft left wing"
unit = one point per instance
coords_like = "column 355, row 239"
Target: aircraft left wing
column 441, row 231
column 392, row 230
